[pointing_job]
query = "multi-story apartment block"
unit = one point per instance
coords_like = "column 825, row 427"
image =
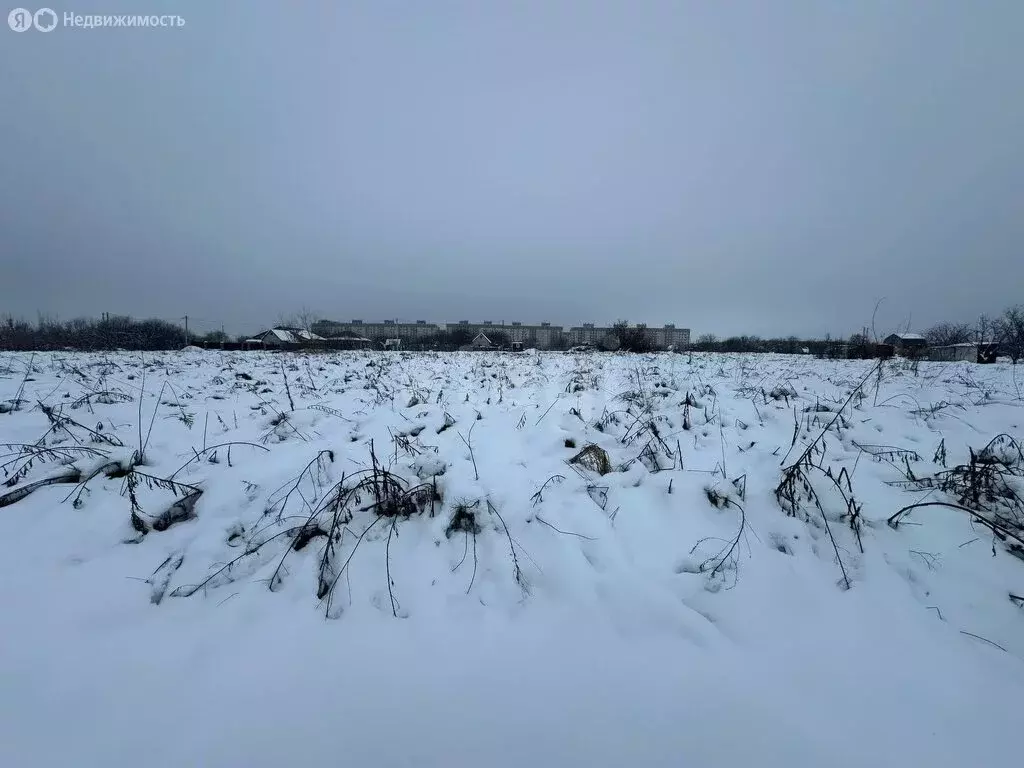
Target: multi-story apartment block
column 670, row 336
column 541, row 335
column 662, row 338
column 588, row 333
column 388, row 329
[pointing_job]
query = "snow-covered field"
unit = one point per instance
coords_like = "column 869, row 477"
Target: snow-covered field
column 393, row 559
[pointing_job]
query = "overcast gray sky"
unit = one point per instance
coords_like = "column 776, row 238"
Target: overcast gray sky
column 758, row 167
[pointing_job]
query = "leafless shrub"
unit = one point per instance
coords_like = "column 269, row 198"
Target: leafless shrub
column 469, row 444
column 211, row 453
column 77, row 432
column 796, row 489
column 179, row 511
column 160, row 579
column 101, row 398
column 376, row 494
column 463, row 519
column 986, row 487
column 538, row 497
column 599, row 495
column 516, row 570
column 18, row 399
column 21, row 458
column 332, row 411
column 725, row 557
column 287, row 388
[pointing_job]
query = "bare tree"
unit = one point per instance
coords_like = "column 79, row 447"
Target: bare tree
column 706, row 342
column 985, row 330
column 1009, row 332
column 632, row 338
column 874, row 334
column 943, row 334
column 306, row 318
column 860, row 345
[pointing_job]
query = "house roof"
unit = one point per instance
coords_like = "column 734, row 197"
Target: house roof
column 909, row 336
column 482, row 337
column 289, row 335
column 283, row 334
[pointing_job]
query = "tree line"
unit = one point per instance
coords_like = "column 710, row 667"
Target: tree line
column 110, row 332
column 1005, row 331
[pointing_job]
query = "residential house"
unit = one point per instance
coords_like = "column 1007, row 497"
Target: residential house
column 907, row 344
column 480, row 341
column 285, row 338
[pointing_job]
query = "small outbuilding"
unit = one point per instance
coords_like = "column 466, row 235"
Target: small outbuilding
column 907, row 344
column 949, row 353
column 970, row 352
column 347, row 341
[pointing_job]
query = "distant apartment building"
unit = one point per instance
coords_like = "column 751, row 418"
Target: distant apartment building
column 661, row 338
column 588, row 333
column 409, row 333
column 670, row 336
column 542, row 335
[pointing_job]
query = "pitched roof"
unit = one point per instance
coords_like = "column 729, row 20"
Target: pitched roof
column 290, row 335
column 283, row 334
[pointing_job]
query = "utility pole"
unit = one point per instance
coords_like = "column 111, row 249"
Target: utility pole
column 186, row 330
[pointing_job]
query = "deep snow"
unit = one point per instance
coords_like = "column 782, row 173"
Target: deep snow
column 629, row 638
